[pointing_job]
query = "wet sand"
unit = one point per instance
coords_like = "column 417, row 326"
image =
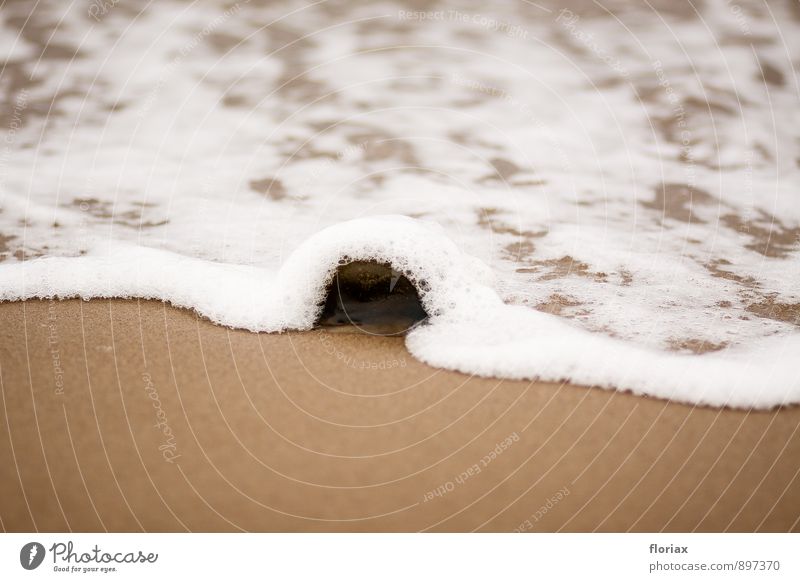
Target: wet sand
column 134, row 415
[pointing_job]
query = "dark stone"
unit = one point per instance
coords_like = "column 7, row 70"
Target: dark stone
column 373, row 298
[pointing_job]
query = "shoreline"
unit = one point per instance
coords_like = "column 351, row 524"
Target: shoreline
column 321, row 431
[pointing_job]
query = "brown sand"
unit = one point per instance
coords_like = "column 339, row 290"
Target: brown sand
column 341, row 432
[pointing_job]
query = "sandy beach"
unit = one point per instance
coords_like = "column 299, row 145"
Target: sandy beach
column 134, row 415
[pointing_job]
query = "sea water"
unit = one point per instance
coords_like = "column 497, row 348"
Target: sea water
column 604, row 194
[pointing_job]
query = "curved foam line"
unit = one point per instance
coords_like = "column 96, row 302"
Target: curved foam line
column 470, row 329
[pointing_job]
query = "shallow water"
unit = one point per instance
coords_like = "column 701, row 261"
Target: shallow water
column 631, row 170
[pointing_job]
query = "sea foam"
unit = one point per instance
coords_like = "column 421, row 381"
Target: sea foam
column 604, row 198
column 469, row 329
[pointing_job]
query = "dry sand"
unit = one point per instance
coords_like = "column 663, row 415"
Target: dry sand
column 345, row 432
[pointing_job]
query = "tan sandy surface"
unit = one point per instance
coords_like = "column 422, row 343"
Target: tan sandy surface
column 340, row 432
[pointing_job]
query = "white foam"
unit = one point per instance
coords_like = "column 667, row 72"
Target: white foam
column 470, row 329
column 197, row 153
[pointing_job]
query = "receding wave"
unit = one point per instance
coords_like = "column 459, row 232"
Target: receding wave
column 575, row 203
